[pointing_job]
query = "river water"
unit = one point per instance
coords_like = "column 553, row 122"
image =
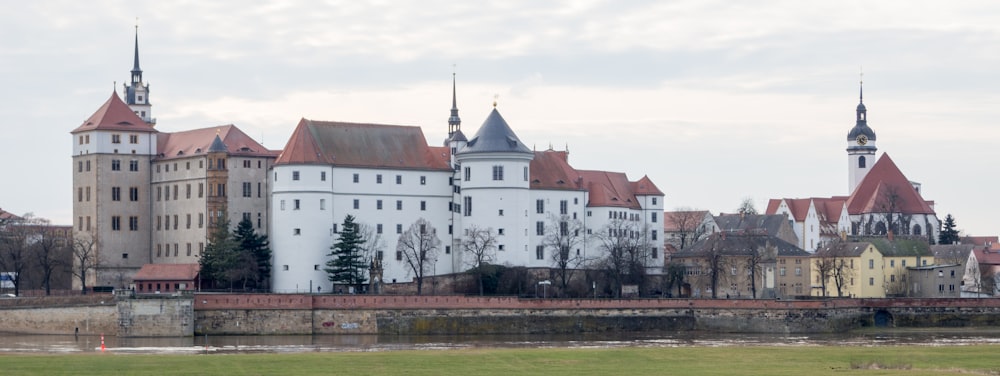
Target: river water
column 21, row 343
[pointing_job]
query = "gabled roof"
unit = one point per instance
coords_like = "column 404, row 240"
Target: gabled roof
column 167, row 272
column 550, row 169
column 202, row 140
column 495, row 136
column 361, row 145
column 739, row 245
column 986, row 256
column 902, row 247
column 646, row 187
column 991, row 242
column 843, row 249
column 946, row 253
column 114, row 115
column 769, row 223
column 883, row 180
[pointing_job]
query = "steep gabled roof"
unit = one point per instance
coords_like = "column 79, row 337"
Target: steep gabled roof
column 646, row 187
column 167, row 272
column 550, row 169
column 495, row 136
column 202, row 140
column 361, row 145
column 885, row 179
column 8, row 215
column 114, row 115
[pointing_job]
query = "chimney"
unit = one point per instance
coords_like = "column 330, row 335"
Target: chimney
column 890, row 235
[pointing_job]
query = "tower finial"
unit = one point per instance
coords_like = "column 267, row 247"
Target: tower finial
column 495, row 98
column 135, row 65
column 861, row 85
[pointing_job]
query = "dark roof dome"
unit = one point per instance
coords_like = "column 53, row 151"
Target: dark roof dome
column 495, row 136
column 861, row 107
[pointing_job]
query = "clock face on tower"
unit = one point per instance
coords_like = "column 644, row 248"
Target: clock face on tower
column 862, row 139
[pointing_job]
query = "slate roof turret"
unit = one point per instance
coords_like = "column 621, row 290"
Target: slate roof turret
column 495, row 136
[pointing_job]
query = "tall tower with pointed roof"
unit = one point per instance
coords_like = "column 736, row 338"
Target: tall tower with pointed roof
column 860, row 145
column 137, row 92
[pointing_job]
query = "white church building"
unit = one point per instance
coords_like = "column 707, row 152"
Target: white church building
column 388, row 178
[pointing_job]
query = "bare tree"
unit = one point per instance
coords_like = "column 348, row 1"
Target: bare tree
column 15, row 254
column 418, row 247
column 824, row 270
column 372, row 248
column 84, row 257
column 675, row 277
column 481, row 244
column 562, row 234
column 841, row 273
column 48, row 246
column 755, row 255
column 688, row 224
column 747, row 207
column 625, row 253
column 716, row 261
column 890, row 202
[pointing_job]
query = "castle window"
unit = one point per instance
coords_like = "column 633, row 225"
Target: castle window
column 525, row 173
column 498, row 173
column 563, row 207
column 423, row 180
column 399, row 179
column 295, row 175
column 378, row 204
column 116, row 139
column 133, row 165
column 116, row 193
column 539, row 206
column 423, row 205
column 322, row 175
column 133, row 194
column 133, row 223
column 296, row 204
column 357, row 204
column 116, row 165
column 378, row 179
column 540, row 252
column 356, row 178
column 399, row 204
column 116, row 223
column 133, row 139
column 468, row 173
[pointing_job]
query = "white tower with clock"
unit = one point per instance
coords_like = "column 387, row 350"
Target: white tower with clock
column 860, row 147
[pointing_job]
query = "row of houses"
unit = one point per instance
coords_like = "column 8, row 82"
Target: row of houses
column 757, row 256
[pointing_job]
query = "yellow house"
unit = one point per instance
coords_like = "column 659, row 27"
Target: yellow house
column 848, row 269
column 873, row 268
column 897, row 256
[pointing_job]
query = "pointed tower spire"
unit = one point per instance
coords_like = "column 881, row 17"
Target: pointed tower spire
column 136, row 92
column 136, row 71
column 454, row 122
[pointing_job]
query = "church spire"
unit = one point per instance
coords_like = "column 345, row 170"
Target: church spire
column 454, row 122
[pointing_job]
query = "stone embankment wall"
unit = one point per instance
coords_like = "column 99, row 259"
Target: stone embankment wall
column 155, row 316
column 91, row 315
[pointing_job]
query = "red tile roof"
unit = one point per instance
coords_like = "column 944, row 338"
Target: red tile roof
column 114, row 115
column 8, row 215
column 361, row 145
column 550, row 169
column 986, row 256
column 198, row 141
column 883, row 179
column 611, row 189
column 167, row 272
column 645, row 186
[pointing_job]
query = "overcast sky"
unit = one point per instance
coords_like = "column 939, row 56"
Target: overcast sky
column 716, row 101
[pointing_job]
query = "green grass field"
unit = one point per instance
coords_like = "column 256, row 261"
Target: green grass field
column 749, row 360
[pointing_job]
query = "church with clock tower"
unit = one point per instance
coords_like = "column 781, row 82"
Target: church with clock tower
column 860, row 146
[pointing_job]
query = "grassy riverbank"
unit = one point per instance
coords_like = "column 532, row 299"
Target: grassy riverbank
column 749, row 360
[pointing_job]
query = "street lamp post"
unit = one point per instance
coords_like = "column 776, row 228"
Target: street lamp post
column 545, row 284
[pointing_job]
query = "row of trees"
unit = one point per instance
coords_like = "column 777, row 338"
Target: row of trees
column 36, row 254
column 356, row 252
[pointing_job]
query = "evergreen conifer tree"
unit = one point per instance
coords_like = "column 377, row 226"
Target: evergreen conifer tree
column 257, row 246
column 949, row 235
column 347, row 265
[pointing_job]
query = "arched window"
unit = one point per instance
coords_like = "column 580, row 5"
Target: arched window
column 916, row 229
column 861, row 162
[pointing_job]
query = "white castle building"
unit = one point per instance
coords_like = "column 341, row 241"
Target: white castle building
column 388, row 177
column 144, row 196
